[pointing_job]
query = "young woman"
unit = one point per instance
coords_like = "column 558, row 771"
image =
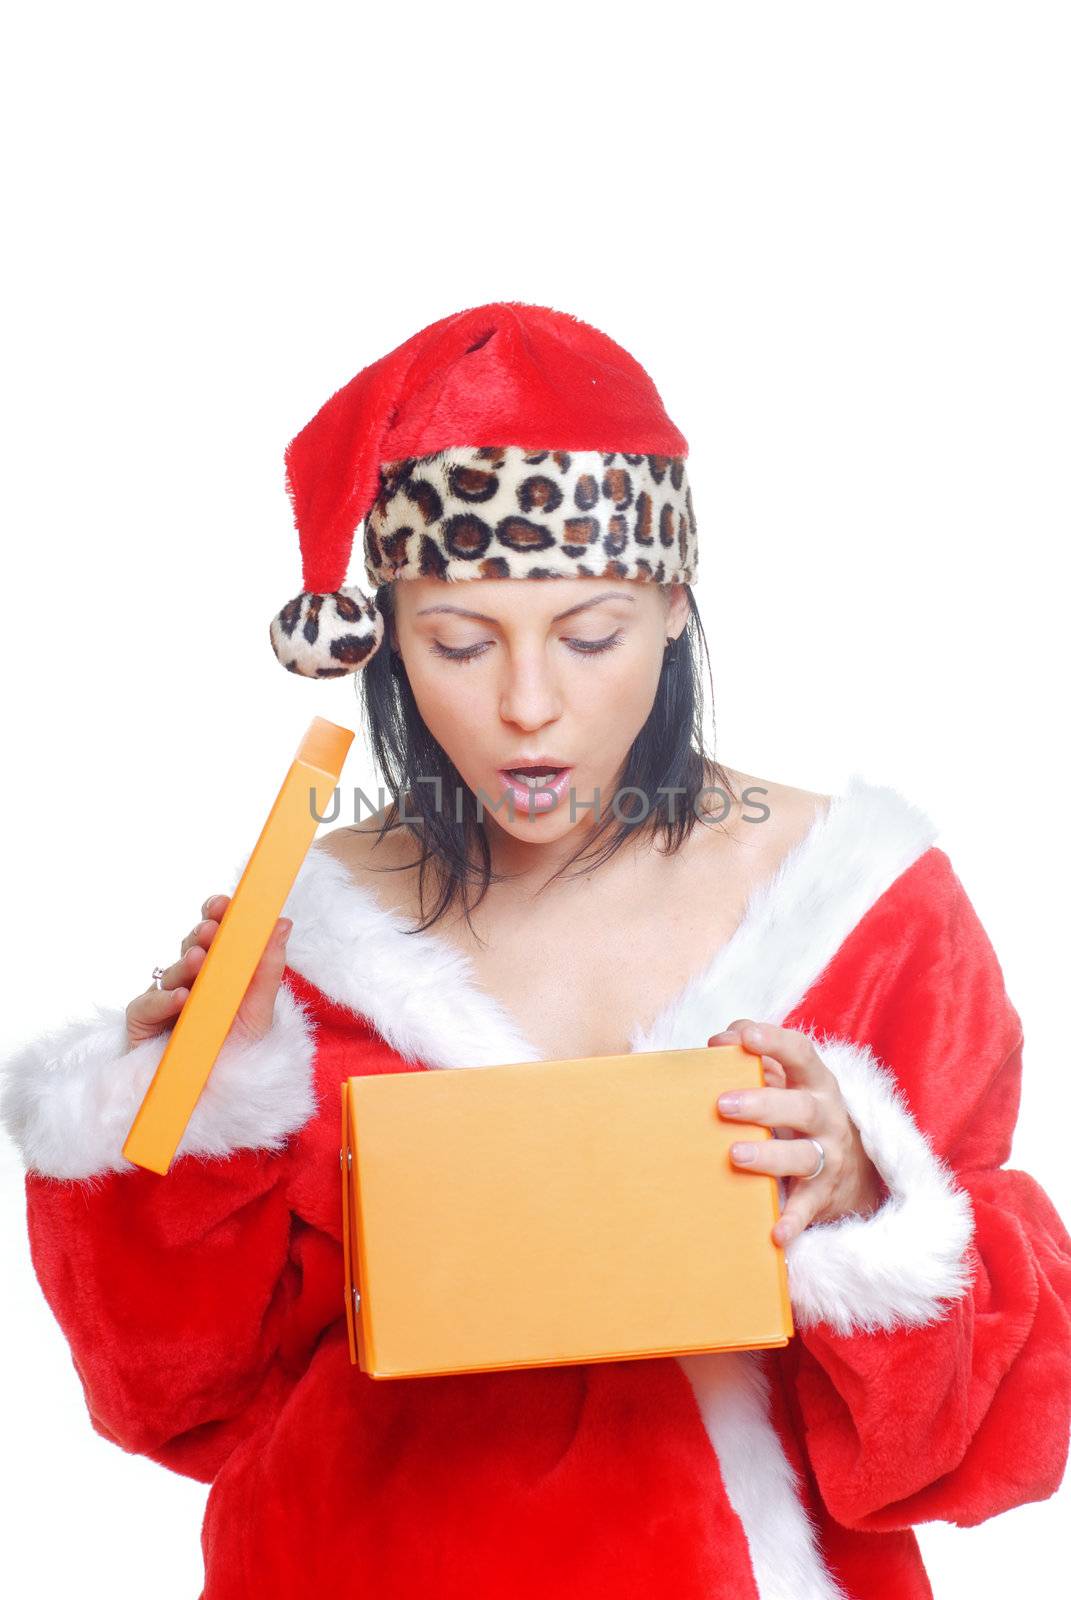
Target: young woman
column 563, row 872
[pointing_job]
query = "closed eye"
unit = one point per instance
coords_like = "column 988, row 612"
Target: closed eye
column 581, row 647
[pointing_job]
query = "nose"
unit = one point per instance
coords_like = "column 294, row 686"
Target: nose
column 530, row 695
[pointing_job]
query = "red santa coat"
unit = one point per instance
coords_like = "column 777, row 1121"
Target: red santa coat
column 930, row 1375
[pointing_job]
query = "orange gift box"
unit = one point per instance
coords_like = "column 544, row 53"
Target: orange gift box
column 551, row 1212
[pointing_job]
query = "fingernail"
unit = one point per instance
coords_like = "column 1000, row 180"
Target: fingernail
column 743, row 1152
column 286, row 923
column 729, row 1102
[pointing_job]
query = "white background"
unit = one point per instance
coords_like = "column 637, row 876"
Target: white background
column 836, row 235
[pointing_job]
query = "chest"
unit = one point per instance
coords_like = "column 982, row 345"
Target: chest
column 582, row 983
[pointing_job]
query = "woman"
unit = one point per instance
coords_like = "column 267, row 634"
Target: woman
column 631, row 895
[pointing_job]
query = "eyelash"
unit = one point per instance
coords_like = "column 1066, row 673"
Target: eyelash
column 580, row 647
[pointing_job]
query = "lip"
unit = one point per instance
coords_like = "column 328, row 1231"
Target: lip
column 548, row 798
column 534, row 761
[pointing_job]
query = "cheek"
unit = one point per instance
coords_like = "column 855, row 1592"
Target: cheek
column 621, row 693
column 453, row 702
column 645, row 675
column 605, row 704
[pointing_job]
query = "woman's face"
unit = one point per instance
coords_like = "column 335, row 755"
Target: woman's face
column 517, row 672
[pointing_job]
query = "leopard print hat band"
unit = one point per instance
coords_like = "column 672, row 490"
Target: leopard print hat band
column 499, row 513
column 456, row 512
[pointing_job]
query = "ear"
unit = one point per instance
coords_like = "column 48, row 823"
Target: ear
column 677, row 609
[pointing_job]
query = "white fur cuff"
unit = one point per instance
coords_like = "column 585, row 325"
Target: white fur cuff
column 898, row 1266
column 70, row 1096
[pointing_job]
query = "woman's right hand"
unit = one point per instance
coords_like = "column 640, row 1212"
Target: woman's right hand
column 155, row 1010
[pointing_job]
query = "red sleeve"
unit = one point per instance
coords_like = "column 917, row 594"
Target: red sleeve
column 932, row 1369
column 183, row 1297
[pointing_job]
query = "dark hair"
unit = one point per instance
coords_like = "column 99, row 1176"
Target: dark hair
column 667, row 753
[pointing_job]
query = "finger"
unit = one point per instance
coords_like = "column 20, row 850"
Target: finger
column 154, row 1003
column 800, row 1109
column 185, row 969
column 151, row 1011
column 202, row 935
column 270, row 968
column 212, row 915
column 774, row 1073
column 793, row 1049
column 801, row 1208
column 784, row 1158
column 731, row 1034
column 772, row 1070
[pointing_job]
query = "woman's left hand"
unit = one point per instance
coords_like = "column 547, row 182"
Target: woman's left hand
column 802, row 1097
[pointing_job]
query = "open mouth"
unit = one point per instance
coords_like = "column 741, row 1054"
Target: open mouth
column 536, row 788
column 534, row 777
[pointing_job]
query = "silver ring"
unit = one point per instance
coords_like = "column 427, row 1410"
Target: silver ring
column 157, row 975
column 807, row 1176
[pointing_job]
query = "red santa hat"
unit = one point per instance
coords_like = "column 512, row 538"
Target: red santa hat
column 506, row 441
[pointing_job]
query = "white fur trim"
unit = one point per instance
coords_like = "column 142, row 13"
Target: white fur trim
column 70, row 1097
column 732, row 1391
column 899, row 1265
column 794, row 924
column 422, row 996
column 416, row 989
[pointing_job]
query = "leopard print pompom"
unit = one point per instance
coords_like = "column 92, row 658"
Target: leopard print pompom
column 327, row 635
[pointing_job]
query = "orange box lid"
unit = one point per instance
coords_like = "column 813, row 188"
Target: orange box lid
column 255, row 906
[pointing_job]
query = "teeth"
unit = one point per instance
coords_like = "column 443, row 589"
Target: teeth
column 533, row 782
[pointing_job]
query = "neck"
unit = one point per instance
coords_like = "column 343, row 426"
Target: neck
column 530, row 863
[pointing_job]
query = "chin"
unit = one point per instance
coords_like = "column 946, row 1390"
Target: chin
column 541, row 829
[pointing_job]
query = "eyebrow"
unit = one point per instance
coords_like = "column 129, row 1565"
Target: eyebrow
column 584, row 605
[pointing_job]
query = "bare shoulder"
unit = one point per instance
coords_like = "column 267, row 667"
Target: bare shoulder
column 380, row 861
column 772, row 818
column 791, row 810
